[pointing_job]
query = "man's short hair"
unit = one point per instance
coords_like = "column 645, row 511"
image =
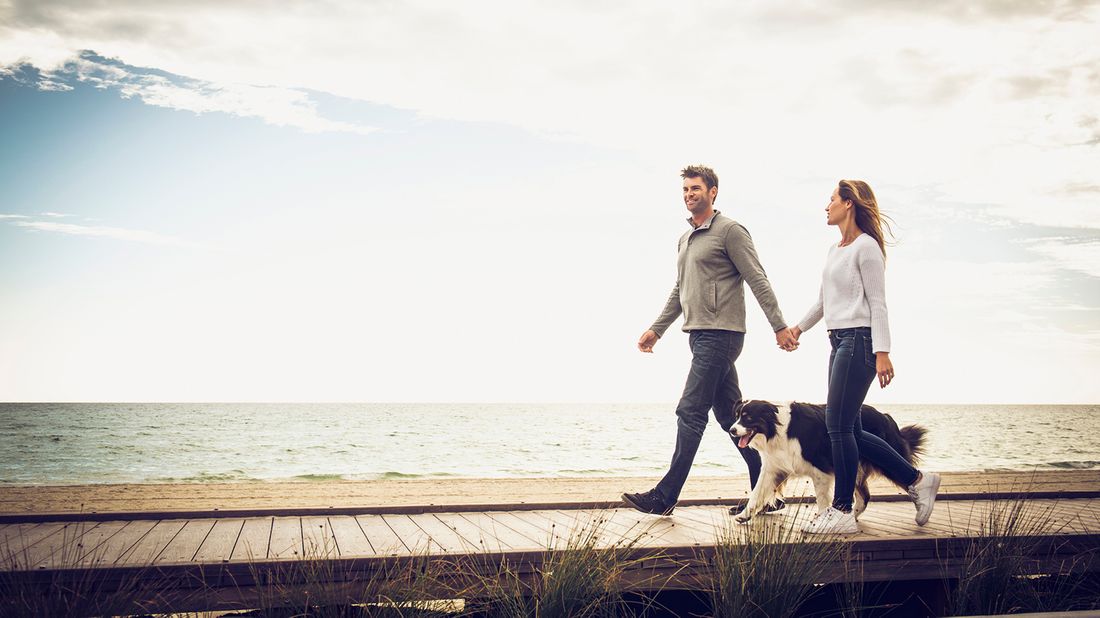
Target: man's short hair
column 701, row 171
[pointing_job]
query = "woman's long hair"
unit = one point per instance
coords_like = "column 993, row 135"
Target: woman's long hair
column 868, row 217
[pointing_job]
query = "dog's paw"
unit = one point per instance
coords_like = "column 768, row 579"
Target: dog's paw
column 742, row 517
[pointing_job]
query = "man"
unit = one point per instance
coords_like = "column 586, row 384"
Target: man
column 715, row 258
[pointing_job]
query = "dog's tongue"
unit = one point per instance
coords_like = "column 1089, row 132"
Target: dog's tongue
column 744, row 441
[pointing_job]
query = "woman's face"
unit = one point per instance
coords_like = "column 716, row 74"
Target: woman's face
column 837, row 209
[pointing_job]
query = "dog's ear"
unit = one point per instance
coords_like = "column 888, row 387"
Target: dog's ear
column 737, row 407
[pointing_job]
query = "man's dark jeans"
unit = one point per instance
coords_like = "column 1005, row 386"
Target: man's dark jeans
column 851, row 373
column 712, row 383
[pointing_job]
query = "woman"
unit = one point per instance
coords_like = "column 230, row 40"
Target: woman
column 853, row 303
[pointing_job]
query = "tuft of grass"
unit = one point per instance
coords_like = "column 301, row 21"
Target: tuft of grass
column 319, row 585
column 71, row 589
column 998, row 570
column 769, row 568
column 582, row 577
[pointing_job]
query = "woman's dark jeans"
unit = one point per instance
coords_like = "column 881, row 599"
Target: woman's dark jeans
column 712, row 384
column 851, row 372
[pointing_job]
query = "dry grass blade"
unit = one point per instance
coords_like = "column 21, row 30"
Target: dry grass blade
column 768, row 568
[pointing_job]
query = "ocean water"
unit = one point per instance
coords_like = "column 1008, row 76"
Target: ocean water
column 48, row 443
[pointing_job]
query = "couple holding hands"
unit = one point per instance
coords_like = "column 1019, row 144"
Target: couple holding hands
column 716, row 258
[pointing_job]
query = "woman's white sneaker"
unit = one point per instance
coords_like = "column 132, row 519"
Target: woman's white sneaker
column 832, row 521
column 923, row 494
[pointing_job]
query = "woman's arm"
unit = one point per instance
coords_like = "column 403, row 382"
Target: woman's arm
column 872, row 272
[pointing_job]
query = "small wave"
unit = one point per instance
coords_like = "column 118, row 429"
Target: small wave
column 399, row 475
column 585, row 472
column 206, row 477
column 407, row 475
column 318, row 477
column 1075, row 465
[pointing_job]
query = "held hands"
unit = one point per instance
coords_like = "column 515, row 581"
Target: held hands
column 647, row 341
column 884, row 368
column 787, row 338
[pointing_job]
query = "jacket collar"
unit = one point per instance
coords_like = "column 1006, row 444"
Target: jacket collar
column 706, row 224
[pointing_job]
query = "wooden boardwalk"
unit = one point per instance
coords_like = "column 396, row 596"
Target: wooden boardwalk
column 231, row 551
column 235, row 540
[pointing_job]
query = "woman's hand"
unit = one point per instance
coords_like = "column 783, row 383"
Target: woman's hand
column 884, row 368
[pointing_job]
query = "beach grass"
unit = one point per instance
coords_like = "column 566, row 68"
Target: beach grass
column 70, row 590
column 581, row 574
column 1013, row 564
column 770, row 568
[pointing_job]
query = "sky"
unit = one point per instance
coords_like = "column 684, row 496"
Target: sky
column 480, row 201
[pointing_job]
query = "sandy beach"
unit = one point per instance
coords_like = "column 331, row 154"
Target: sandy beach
column 23, row 499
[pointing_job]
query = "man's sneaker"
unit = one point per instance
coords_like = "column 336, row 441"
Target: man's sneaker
column 649, row 502
column 779, row 505
column 923, row 494
column 832, row 521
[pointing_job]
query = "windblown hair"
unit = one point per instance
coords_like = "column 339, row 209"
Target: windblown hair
column 710, row 179
column 868, row 217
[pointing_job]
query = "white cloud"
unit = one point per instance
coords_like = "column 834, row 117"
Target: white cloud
column 988, row 103
column 3, row 216
column 141, row 236
column 274, row 105
column 1072, row 253
column 54, row 214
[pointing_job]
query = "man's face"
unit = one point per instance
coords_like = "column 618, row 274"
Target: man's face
column 697, row 197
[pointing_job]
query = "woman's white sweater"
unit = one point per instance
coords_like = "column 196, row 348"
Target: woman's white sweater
column 853, row 291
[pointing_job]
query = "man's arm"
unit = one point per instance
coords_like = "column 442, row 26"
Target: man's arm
column 669, row 314
column 743, row 255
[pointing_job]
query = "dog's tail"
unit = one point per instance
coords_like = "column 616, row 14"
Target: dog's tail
column 914, row 436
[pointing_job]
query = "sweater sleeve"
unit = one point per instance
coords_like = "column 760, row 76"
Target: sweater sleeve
column 742, row 253
column 872, row 271
column 669, row 314
column 814, row 315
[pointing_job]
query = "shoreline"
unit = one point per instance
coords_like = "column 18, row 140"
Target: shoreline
column 274, row 495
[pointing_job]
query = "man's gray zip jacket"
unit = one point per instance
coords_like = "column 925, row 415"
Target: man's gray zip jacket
column 714, row 261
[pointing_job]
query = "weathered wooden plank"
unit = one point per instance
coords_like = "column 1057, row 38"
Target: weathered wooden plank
column 877, row 528
column 17, row 539
column 286, row 538
column 82, row 547
column 574, row 527
column 318, row 539
column 65, row 540
column 253, row 541
column 947, row 519
column 532, row 526
column 145, row 551
column 670, row 533
column 571, row 523
column 112, row 548
column 509, row 537
column 218, row 544
column 705, row 517
column 385, row 540
column 349, row 538
column 412, row 536
column 894, row 525
column 184, row 546
column 446, row 537
column 479, row 541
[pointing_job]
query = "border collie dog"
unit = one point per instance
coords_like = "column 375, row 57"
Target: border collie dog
column 792, row 441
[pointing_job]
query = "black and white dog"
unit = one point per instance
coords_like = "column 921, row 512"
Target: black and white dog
column 792, row 441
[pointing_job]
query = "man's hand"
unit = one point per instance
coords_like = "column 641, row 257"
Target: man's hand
column 786, row 339
column 647, row 341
